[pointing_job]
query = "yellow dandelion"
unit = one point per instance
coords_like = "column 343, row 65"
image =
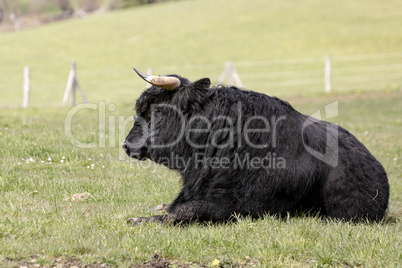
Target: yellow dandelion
column 216, row 262
column 1, row 134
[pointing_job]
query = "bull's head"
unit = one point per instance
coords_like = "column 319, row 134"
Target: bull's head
column 161, row 112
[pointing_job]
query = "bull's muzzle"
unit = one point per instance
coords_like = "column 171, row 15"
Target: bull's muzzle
column 136, row 153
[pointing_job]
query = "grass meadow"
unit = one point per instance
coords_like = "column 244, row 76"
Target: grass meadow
column 42, row 171
column 60, row 202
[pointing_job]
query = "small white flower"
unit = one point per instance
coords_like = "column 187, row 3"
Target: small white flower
column 61, row 161
column 63, row 158
column 49, row 159
column 92, row 165
column 103, row 166
column 42, row 161
column 88, row 166
column 30, row 159
column 89, row 159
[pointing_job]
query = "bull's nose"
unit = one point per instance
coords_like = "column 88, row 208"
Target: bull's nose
column 125, row 147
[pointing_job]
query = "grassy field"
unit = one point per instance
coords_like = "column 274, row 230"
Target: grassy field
column 64, row 204
column 42, row 172
column 195, row 39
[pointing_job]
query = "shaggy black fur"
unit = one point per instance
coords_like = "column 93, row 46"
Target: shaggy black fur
column 231, row 126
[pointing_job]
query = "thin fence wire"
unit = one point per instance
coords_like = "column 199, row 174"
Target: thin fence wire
column 303, row 76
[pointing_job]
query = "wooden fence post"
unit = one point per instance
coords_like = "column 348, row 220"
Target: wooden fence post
column 25, row 98
column 231, row 74
column 16, row 21
column 72, row 85
column 327, row 74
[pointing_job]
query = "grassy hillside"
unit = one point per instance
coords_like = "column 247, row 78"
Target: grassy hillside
column 195, row 39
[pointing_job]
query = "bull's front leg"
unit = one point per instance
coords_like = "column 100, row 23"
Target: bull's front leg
column 156, row 218
column 188, row 212
column 202, row 211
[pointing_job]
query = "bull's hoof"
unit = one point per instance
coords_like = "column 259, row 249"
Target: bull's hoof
column 132, row 221
column 164, row 219
column 141, row 220
column 162, row 207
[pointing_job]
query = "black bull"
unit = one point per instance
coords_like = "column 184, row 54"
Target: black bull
column 245, row 153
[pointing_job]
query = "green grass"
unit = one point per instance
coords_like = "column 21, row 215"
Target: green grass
column 48, row 224
column 196, row 38
column 39, row 219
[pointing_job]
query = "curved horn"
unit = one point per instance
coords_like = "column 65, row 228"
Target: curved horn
column 166, row 82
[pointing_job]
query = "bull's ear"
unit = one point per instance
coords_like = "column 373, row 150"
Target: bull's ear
column 191, row 98
column 203, row 83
